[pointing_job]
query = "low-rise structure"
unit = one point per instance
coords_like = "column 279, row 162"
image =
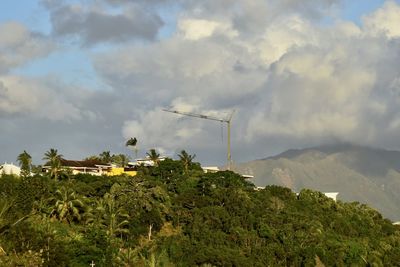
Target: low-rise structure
column 210, row 169
column 93, row 167
column 10, row 169
column 131, row 171
column 146, row 162
column 332, row 195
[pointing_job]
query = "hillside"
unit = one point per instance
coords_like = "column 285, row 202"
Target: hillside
column 362, row 174
column 172, row 215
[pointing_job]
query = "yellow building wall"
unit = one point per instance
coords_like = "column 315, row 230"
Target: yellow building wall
column 120, row 171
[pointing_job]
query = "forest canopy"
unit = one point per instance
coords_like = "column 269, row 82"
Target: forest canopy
column 174, row 214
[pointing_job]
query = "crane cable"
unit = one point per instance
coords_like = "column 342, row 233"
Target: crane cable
column 222, row 132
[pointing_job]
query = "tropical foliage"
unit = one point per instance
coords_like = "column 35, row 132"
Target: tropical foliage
column 187, row 160
column 132, row 142
column 68, row 206
column 105, row 157
column 25, row 161
column 54, row 162
column 153, row 156
column 173, row 214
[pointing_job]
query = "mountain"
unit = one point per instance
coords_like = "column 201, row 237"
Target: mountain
column 363, row 174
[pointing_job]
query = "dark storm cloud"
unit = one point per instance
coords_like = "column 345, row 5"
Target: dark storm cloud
column 98, row 25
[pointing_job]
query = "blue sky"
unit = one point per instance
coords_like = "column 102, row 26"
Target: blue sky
column 84, row 77
column 354, row 10
column 31, row 13
column 72, row 62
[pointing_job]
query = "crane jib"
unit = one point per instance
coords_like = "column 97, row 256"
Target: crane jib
column 201, row 116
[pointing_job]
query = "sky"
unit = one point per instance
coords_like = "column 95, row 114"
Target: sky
column 83, row 76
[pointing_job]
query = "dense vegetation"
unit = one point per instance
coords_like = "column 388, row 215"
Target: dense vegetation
column 173, row 214
column 363, row 174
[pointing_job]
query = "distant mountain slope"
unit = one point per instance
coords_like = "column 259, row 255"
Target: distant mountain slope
column 363, row 174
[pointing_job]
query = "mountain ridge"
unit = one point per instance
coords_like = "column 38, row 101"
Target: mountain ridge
column 359, row 173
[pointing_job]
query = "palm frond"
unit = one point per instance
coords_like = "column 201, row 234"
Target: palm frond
column 131, row 142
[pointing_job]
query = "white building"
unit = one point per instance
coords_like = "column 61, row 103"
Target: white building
column 210, row 169
column 147, row 162
column 8, row 168
column 332, row 195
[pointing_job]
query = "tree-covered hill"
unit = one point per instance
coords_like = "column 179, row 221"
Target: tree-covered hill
column 362, row 174
column 175, row 215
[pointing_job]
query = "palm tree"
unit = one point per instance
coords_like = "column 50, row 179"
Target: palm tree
column 54, row 160
column 153, row 156
column 124, row 160
column 93, row 157
column 69, row 206
column 113, row 217
column 186, row 159
column 105, row 157
column 132, row 142
column 25, row 161
column 120, row 160
column 6, row 207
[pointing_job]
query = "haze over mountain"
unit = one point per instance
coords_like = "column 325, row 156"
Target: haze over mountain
column 364, row 174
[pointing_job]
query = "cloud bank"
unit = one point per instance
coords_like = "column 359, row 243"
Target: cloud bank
column 295, row 82
column 295, row 73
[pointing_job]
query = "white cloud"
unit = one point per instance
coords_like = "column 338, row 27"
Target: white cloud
column 18, row 45
column 12, row 34
column 281, row 36
column 195, row 29
column 335, row 88
column 297, row 80
column 33, row 98
column 385, row 20
column 158, row 129
column 292, row 79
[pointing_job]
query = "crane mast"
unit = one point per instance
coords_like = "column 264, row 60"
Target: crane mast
column 206, row 117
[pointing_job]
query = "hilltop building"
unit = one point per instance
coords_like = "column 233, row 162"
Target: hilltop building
column 146, row 162
column 210, row 169
column 96, row 167
column 214, row 169
column 93, row 167
column 10, row 168
column 332, row 195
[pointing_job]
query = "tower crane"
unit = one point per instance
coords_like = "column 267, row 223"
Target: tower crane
column 206, row 117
